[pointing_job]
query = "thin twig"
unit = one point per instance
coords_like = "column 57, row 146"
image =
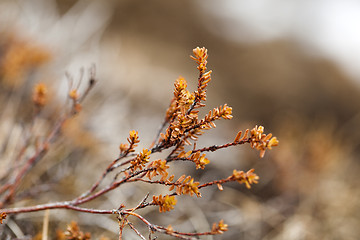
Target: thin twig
column 216, row 147
column 134, row 229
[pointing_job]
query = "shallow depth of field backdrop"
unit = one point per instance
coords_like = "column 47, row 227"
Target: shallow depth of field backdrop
column 292, row 66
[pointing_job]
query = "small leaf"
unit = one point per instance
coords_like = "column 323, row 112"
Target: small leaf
column 238, row 135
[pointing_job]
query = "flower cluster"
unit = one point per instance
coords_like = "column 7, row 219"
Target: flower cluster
column 261, row 141
column 74, row 94
column 248, row 177
column 133, row 140
column 165, row 203
column 141, row 159
column 219, row 228
column 157, row 167
column 40, row 94
column 199, row 159
column 200, row 56
column 221, row 112
column 183, row 97
column 186, row 185
column 178, row 113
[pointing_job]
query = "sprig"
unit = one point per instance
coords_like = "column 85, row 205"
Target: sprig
column 177, row 137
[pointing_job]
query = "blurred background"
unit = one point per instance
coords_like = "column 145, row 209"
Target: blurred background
column 291, row 66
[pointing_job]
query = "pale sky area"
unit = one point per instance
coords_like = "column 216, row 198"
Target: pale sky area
column 330, row 28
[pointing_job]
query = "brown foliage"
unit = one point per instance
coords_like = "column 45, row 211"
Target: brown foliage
column 183, row 128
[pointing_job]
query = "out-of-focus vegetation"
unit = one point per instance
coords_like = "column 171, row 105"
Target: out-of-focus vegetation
column 308, row 187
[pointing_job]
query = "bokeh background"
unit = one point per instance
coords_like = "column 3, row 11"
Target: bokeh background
column 291, row 66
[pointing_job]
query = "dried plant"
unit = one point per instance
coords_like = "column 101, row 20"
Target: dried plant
column 179, row 133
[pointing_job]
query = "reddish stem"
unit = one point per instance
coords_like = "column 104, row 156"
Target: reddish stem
column 216, row 147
